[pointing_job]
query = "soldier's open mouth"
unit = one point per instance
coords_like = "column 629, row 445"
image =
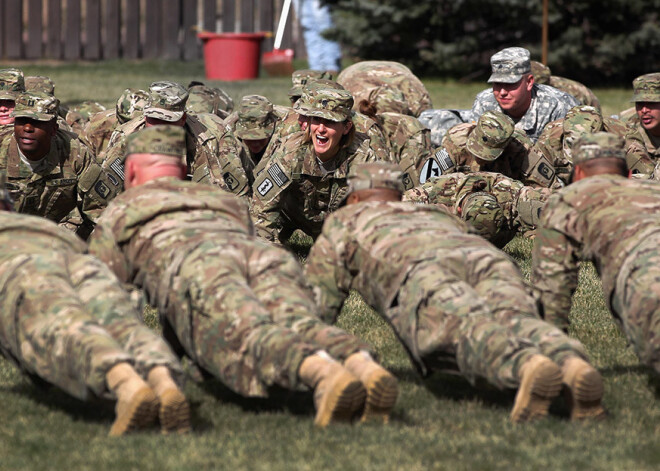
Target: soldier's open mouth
column 321, row 139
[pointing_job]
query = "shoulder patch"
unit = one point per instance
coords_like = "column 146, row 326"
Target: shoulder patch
column 265, row 186
column 102, row 189
column 435, row 166
column 546, row 171
column 278, row 174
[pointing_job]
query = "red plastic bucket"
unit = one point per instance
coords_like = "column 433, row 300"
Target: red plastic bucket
column 232, row 56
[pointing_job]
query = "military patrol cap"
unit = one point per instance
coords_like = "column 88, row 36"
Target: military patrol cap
column 483, row 212
column 647, row 88
column 370, row 175
column 540, row 72
column 509, row 65
column 12, row 84
column 130, row 104
column 601, row 145
column 491, row 135
column 301, row 77
column 167, row 101
column 39, row 83
column 161, row 139
column 255, row 118
column 36, row 105
column 327, row 103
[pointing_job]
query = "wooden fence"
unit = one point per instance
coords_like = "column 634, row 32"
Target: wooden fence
column 131, row 29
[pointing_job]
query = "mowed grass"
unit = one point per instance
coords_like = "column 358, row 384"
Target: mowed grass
column 439, row 423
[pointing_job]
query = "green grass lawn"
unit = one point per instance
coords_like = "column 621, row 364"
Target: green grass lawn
column 438, row 423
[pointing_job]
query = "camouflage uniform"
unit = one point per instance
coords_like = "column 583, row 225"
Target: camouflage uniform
column 628, row 116
column 499, row 208
column 65, row 317
column 646, row 88
column 214, row 155
column 295, row 191
column 40, row 83
column 580, row 92
column 559, row 136
column 613, row 222
column 12, row 84
column 362, row 78
column 204, row 99
column 299, row 79
column 78, row 115
column 61, row 183
column 98, row 130
column 498, row 146
column 454, row 301
column 235, row 304
column 548, row 103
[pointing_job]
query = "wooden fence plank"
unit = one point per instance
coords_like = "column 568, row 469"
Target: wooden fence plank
column 210, row 14
column 152, row 29
column 12, row 27
column 2, row 34
column 191, row 47
column 228, row 16
column 247, row 16
column 267, row 22
column 72, row 33
column 131, row 18
column 112, row 38
column 54, row 30
column 35, row 30
column 93, row 30
column 171, row 22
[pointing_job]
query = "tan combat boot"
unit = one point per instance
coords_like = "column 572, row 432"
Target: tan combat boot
column 584, row 389
column 174, row 412
column 137, row 405
column 338, row 395
column 382, row 387
column 540, row 383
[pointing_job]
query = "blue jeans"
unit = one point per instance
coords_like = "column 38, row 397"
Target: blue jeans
column 315, row 18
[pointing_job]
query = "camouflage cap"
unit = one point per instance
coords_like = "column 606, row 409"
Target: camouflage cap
column 509, row 65
column 167, row 101
column 87, row 108
column 647, row 88
column 205, row 99
column 389, row 99
column 12, row 84
column 541, row 72
column 370, row 175
column 328, row 103
column 601, row 145
column 301, row 77
column 490, row 136
column 130, row 104
column 255, row 118
column 39, row 83
column 482, row 211
column 162, row 139
column 36, row 105
column 583, row 119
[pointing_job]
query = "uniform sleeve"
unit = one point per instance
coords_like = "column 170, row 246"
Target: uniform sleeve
column 102, row 245
column 554, row 274
column 327, row 277
column 265, row 207
column 637, row 157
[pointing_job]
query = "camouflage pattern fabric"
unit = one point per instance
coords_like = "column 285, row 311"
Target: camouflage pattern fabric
column 646, row 88
column 295, row 192
column 409, row 142
column 65, row 317
column 362, row 78
column 628, row 116
column 439, row 121
column 509, row 65
column 205, row 99
column 12, row 84
column 558, row 137
column 520, row 205
column 40, row 83
column 516, row 161
column 548, row 104
column 580, row 92
column 454, row 301
column 78, row 115
column 301, row 77
column 235, row 304
column 613, row 222
column 167, row 101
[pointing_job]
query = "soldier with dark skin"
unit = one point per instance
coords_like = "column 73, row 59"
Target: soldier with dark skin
column 454, row 300
column 67, row 321
column 611, row 220
column 236, row 305
column 646, row 96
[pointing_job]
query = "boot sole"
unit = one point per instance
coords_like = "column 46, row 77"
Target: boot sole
column 382, row 392
column 340, row 404
column 174, row 413
column 539, row 386
column 585, row 395
column 141, row 412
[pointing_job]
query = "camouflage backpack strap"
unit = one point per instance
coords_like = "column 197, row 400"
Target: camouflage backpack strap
column 198, row 126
